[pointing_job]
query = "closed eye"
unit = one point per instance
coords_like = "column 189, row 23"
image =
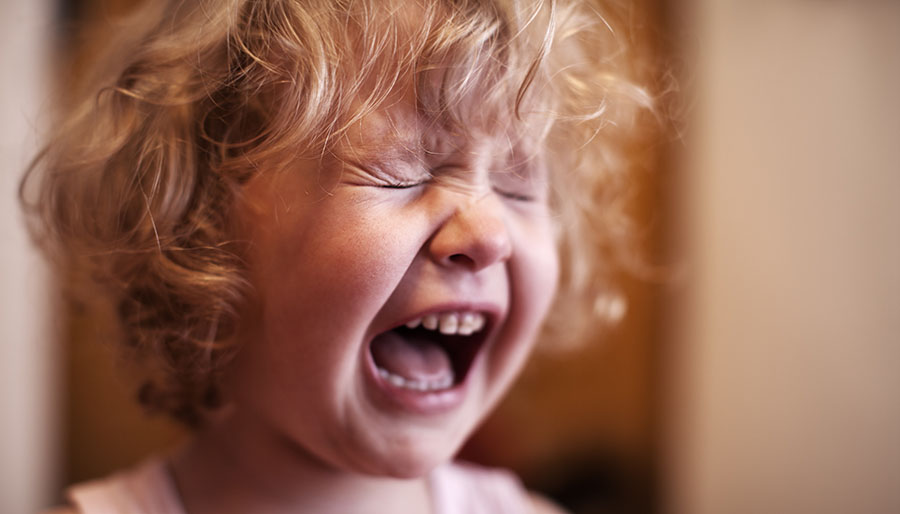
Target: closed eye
column 511, row 195
column 403, row 185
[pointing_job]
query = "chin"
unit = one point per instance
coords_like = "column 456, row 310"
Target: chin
column 413, row 467
column 414, row 459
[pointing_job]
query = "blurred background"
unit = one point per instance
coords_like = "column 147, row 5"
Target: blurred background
column 761, row 376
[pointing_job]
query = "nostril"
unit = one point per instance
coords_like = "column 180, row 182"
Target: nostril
column 462, row 259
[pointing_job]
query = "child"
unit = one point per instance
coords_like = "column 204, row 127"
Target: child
column 331, row 229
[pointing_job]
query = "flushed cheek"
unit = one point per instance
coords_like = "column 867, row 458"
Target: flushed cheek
column 345, row 259
column 534, row 274
column 319, row 283
column 542, row 285
column 329, row 297
column 535, row 267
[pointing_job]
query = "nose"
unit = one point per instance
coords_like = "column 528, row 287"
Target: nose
column 474, row 236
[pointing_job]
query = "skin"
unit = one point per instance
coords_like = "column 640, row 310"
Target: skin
column 340, row 251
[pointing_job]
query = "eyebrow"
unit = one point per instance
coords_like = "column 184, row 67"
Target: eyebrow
column 390, row 150
column 400, row 150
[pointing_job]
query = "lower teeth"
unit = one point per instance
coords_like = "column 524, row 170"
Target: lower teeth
column 415, row 385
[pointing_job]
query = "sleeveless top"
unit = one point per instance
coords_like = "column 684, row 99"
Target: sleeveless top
column 456, row 488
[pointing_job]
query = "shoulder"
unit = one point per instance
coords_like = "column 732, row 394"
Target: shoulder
column 462, row 487
column 542, row 505
column 61, row 510
column 144, row 489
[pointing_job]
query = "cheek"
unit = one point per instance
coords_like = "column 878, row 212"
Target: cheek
column 534, row 273
column 538, row 268
column 319, row 286
column 327, row 279
column 343, row 254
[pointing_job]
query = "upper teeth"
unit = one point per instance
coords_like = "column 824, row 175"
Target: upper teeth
column 451, row 323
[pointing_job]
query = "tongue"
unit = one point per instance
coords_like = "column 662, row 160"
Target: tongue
column 412, row 357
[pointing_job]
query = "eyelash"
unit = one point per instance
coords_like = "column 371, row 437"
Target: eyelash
column 403, row 185
column 516, row 197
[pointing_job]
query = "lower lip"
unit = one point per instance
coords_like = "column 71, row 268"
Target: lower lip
column 428, row 403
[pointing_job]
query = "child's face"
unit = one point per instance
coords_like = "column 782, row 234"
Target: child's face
column 341, row 257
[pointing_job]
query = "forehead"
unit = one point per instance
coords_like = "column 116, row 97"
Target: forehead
column 401, row 130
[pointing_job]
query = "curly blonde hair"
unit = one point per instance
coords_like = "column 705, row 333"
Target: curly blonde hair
column 196, row 96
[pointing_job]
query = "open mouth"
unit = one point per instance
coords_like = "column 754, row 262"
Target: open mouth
column 430, row 354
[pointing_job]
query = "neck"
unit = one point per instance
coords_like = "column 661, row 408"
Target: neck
column 239, row 465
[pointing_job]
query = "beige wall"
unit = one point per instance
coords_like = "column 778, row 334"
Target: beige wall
column 786, row 391
column 28, row 427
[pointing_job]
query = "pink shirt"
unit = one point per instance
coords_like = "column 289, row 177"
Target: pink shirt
column 456, row 488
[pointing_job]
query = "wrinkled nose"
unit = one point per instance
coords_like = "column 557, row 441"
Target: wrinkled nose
column 474, row 236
